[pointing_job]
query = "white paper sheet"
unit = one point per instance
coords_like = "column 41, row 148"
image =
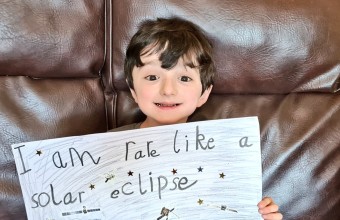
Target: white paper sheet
column 198, row 170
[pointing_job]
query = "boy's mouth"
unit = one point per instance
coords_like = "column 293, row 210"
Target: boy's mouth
column 166, row 105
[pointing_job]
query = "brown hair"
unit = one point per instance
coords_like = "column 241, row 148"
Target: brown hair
column 176, row 38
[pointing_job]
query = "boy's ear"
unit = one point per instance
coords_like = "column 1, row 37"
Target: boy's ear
column 133, row 93
column 134, row 96
column 204, row 97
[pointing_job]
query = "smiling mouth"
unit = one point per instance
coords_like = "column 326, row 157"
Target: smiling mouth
column 166, row 105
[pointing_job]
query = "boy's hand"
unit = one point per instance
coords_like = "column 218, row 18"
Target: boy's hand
column 268, row 209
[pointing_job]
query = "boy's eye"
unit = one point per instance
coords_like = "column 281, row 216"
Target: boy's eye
column 185, row 78
column 151, row 77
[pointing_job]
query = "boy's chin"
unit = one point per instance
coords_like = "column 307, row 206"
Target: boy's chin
column 163, row 122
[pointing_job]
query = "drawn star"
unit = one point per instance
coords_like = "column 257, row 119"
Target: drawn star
column 130, row 173
column 200, row 201
column 92, row 186
column 174, row 171
column 39, row 152
column 222, row 175
column 200, row 169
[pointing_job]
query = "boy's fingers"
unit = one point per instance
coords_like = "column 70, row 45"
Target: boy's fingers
column 269, row 209
column 264, row 202
column 272, row 216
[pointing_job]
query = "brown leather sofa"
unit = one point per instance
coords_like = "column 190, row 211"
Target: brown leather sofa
column 61, row 74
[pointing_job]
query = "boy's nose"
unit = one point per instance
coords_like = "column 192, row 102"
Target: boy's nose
column 168, row 87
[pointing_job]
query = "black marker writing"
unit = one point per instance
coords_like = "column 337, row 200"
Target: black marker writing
column 60, row 160
column 22, row 161
column 244, row 142
column 140, row 154
column 201, row 142
column 81, row 157
column 71, row 150
column 162, row 183
column 44, row 198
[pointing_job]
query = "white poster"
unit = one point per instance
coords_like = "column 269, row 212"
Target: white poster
column 198, row 170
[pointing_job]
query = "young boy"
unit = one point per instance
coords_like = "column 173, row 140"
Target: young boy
column 169, row 70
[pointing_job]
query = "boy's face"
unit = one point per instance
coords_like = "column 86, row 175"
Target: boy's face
column 167, row 96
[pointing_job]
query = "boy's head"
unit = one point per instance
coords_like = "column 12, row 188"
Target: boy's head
column 173, row 38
